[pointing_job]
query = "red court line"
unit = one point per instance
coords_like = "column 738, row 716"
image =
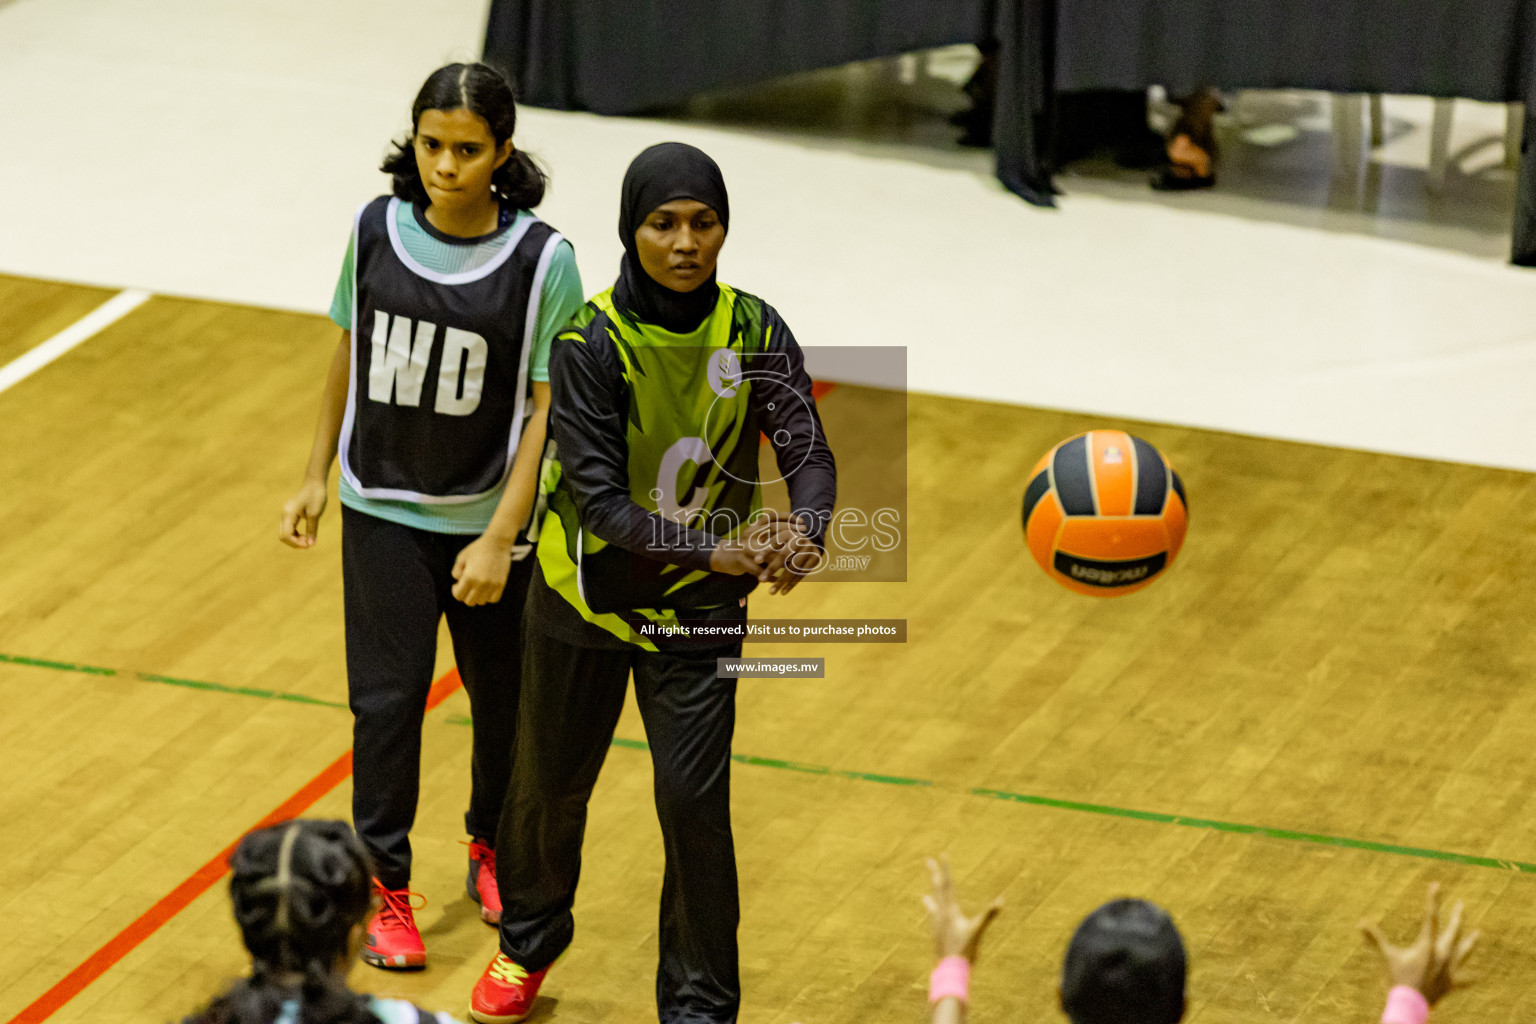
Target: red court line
column 199, row 882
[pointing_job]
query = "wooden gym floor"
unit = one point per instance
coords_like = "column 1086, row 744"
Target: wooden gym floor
column 1320, row 709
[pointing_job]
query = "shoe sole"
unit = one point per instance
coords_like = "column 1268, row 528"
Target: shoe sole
column 398, row 962
column 491, row 1018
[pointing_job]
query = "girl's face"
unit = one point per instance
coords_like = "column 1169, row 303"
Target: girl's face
column 679, row 244
column 456, row 155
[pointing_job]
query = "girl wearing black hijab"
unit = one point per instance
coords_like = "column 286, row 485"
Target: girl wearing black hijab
column 653, row 538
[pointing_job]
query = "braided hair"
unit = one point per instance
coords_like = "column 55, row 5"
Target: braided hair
column 487, row 93
column 298, row 890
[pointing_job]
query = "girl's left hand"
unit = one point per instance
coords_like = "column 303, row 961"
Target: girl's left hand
column 481, row 570
column 788, row 554
column 801, row 557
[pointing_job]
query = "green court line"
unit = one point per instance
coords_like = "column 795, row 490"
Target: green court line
column 1288, row 835
column 61, row 666
column 817, row 769
column 1261, row 830
column 151, row 677
column 1157, row 817
column 241, row 691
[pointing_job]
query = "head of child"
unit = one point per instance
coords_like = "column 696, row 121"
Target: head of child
column 460, row 152
column 301, row 893
column 1125, row 965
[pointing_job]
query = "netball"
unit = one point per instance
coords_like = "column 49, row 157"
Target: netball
column 1104, row 513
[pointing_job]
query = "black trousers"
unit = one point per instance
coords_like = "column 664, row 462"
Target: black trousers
column 571, row 701
column 398, row 582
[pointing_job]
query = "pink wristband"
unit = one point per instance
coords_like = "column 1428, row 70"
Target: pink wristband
column 952, row 978
column 1405, row 1005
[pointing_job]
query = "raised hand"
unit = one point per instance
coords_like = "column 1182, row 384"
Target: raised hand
column 1433, row 963
column 954, row 934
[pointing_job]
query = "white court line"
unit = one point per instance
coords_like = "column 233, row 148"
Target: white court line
column 109, row 312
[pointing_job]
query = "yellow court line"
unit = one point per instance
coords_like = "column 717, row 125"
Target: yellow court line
column 103, row 316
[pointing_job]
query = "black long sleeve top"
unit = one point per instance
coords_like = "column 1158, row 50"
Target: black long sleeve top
column 588, row 415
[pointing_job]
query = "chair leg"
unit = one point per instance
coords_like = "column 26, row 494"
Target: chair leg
column 1440, row 144
column 1378, row 122
column 1346, row 110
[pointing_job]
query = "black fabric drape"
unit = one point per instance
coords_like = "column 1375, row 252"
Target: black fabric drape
column 1475, row 49
column 624, row 56
column 1021, row 121
column 1523, row 242
column 566, row 54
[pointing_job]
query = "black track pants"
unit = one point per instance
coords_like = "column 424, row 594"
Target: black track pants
column 398, row 582
column 571, row 701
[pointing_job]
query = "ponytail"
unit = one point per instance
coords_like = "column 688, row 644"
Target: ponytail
column 487, row 93
column 321, row 997
column 520, row 181
column 325, row 1000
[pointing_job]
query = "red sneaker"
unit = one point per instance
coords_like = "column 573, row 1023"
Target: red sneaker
column 393, row 939
column 482, row 882
column 505, row 992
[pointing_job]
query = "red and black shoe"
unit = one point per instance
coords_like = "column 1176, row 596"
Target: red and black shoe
column 505, row 992
column 394, row 941
column 481, row 882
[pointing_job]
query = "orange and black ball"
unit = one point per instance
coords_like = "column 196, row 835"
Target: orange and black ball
column 1104, row 513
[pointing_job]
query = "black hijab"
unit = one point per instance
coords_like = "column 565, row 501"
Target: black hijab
column 660, row 174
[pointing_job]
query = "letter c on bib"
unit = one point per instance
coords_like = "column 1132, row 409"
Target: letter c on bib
column 682, row 452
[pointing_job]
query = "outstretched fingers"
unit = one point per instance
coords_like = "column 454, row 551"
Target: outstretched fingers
column 988, row 916
column 1372, row 931
column 1458, row 960
column 938, row 872
column 1464, row 949
column 1431, row 923
column 1445, row 942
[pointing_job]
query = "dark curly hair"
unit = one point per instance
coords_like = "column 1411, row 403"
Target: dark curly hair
column 1125, row 965
column 484, row 91
column 298, row 890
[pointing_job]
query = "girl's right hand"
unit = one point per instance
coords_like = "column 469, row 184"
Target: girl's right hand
column 301, row 515
column 738, row 558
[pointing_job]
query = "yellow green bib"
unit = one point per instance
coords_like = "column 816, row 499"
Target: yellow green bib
column 693, row 458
